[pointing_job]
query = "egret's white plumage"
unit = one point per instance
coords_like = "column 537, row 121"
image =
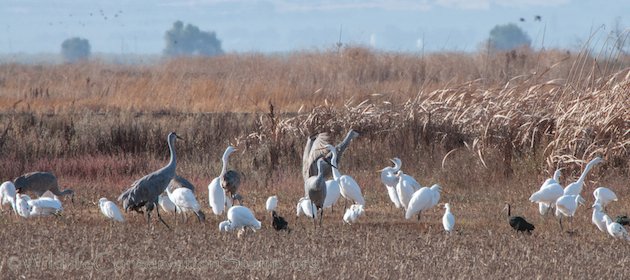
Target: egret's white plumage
column 448, row 220
column 404, row 189
column 390, row 180
column 423, row 199
column 543, row 208
column 110, row 210
column 22, row 206
column 547, row 196
column 45, row 206
column 240, row 217
column 603, row 196
column 166, row 204
column 332, row 193
column 216, row 196
column 598, row 218
column 348, row 187
column 7, row 194
column 575, row 188
column 553, row 180
column 272, row 203
column 567, row 204
column 185, row 200
column 306, row 207
column 353, row 213
column 615, row 229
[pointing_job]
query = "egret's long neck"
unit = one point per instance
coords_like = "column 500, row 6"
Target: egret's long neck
column 586, row 170
column 226, row 155
column 335, row 171
column 171, row 147
column 397, row 166
column 556, row 176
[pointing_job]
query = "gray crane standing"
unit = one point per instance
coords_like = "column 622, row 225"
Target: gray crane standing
column 145, row 191
column 40, row 182
column 315, row 188
column 316, row 148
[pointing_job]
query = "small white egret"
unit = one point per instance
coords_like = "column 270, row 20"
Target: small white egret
column 21, row 203
column 566, row 206
column 353, row 213
column 45, row 206
column 110, row 210
column 240, row 217
column 184, row 200
column 598, row 218
column 7, row 195
column 423, row 199
column 604, row 196
column 272, row 203
column 615, row 229
column 306, row 207
column 575, row 188
column 448, row 220
column 216, row 196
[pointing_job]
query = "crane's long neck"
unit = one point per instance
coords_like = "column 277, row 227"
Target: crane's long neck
column 225, row 158
column 346, row 141
column 335, row 171
column 173, row 161
column 320, row 172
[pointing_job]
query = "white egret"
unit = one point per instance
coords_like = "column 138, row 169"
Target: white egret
column 598, row 218
column 390, row 180
column 448, row 220
column 306, row 207
column 615, row 229
column 353, row 213
column 184, row 200
column 7, row 195
column 110, row 210
column 575, row 188
column 546, row 197
column 272, row 203
column 404, row 189
column 423, row 199
column 348, row 187
column 216, row 196
column 166, row 203
column 604, row 196
column 332, row 193
column 45, row 206
column 566, row 206
column 21, row 203
column 240, row 217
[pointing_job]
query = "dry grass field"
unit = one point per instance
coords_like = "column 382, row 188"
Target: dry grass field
column 489, row 128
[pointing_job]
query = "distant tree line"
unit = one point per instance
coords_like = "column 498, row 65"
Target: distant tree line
column 190, row 40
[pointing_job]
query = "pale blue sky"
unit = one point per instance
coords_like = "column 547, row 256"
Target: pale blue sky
column 116, row 26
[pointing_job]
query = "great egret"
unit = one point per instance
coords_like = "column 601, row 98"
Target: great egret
column 547, row 196
column 306, row 207
column 603, row 196
column 21, row 203
column 598, row 218
column 185, row 200
column 45, row 206
column 348, row 187
column 110, row 210
column 566, row 206
column 423, row 199
column 279, row 223
column 240, row 217
column 272, row 203
column 216, row 196
column 145, row 191
column 575, row 188
column 616, row 230
column 390, row 180
column 404, row 189
column 517, row 222
column 353, row 213
column 7, row 195
column 448, row 220
column 166, row 203
column 230, row 179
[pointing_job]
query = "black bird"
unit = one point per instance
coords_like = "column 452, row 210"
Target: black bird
column 522, row 19
column 279, row 223
column 538, row 18
column 517, row 222
column 623, row 220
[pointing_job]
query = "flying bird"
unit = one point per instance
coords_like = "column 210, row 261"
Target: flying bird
column 110, row 210
column 518, row 223
column 39, row 183
column 145, row 191
column 316, row 148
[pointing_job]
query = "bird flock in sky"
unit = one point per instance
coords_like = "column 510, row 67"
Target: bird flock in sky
column 324, row 185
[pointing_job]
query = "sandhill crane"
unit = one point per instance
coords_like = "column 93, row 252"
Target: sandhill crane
column 272, row 203
column 353, row 213
column 566, row 206
column 390, row 180
column 615, row 229
column 145, row 191
column 575, row 188
column 603, row 196
column 598, row 217
column 7, row 195
column 423, row 199
column 110, row 210
column 315, row 189
column 279, row 223
column 185, row 200
column 230, row 179
column 448, row 220
column 40, row 182
column 239, row 217
column 517, row 222
column 316, row 148
column 348, row 187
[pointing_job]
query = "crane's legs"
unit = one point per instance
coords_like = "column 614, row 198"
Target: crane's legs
column 157, row 209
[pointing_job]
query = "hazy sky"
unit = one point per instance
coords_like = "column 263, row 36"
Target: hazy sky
column 116, row 26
